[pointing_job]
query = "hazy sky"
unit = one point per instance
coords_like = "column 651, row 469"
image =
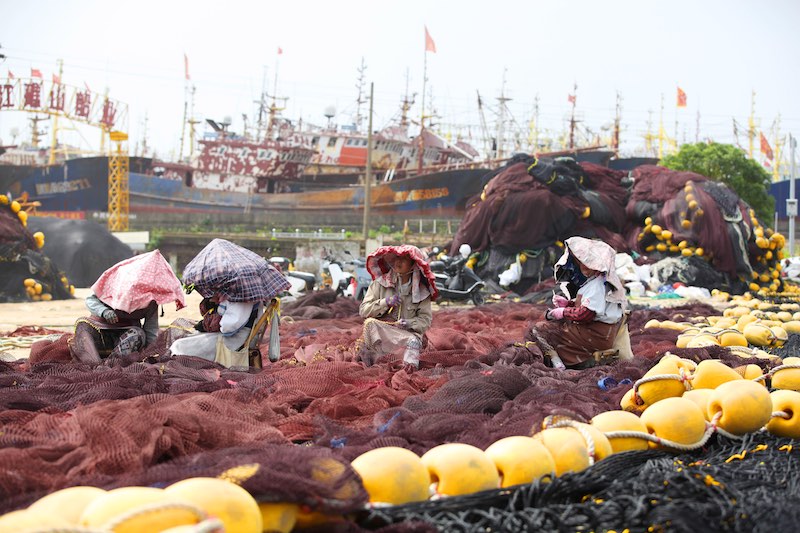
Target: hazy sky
column 717, row 51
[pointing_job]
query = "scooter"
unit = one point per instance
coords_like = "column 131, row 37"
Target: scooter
column 335, row 277
column 456, row 282
column 300, row 281
column 361, row 279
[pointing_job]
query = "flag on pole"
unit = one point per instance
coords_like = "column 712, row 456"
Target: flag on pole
column 571, row 98
column 10, row 75
column 56, row 79
column 430, row 46
column 681, row 98
column 186, row 66
column 280, row 50
column 766, row 149
column 36, row 73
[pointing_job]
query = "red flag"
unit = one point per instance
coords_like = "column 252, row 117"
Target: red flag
column 10, row 75
column 280, row 50
column 430, row 46
column 766, row 149
column 571, row 98
column 186, row 66
column 56, row 79
column 681, row 98
column 36, row 73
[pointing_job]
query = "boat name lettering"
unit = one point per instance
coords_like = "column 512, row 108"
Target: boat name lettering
column 61, row 187
column 420, row 194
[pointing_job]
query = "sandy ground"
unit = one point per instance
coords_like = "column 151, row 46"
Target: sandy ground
column 61, row 315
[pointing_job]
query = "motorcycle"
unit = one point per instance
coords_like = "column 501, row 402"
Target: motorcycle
column 456, row 282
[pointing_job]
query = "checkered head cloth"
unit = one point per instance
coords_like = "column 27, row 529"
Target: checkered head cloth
column 237, row 273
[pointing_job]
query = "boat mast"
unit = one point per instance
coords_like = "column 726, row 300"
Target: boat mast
column 420, row 140
column 54, row 137
column 368, row 175
column 360, row 100
column 490, row 153
column 617, row 119
column 572, row 122
column 533, row 127
column 501, row 122
column 751, row 125
column 35, row 133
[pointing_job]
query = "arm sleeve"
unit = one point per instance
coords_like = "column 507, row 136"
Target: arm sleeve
column 373, row 305
column 422, row 321
column 579, row 314
column 96, row 306
column 151, row 325
column 235, row 316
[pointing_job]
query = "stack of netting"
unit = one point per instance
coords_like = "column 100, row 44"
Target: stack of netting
column 296, row 426
column 531, row 206
column 25, row 272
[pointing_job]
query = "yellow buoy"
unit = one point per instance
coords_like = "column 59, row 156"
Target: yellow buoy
column 521, row 460
column 135, row 509
column 675, row 419
column 278, row 517
column 23, row 217
column 787, row 378
column 758, row 334
column 569, row 448
column 711, row 373
column 224, row 500
column 392, row 475
column 27, row 520
column 621, row 421
column 658, row 389
column 788, row 403
column 15, row 207
column 459, row 469
column 745, row 406
column 68, row 503
column 699, row 397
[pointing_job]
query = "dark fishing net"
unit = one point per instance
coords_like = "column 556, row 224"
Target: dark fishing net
column 707, row 490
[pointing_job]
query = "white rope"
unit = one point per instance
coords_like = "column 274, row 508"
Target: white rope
column 711, row 427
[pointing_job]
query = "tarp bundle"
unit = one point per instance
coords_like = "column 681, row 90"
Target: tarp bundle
column 533, row 205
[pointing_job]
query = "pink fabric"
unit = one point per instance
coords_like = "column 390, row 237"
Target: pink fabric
column 378, row 267
column 133, row 283
column 599, row 256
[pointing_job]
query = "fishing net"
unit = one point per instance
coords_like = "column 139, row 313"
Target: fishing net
column 728, row 486
column 20, row 260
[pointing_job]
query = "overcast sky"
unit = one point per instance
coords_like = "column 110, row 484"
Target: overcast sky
column 717, row 51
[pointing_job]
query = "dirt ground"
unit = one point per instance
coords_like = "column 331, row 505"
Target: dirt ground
column 61, row 315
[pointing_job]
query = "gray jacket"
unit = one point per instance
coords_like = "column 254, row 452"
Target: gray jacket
column 418, row 315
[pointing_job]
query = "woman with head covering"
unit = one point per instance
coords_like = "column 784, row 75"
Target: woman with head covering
column 124, row 308
column 589, row 305
column 397, row 306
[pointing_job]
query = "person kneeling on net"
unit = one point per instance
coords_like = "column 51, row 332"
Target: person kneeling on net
column 223, row 321
column 589, row 305
column 124, row 308
column 397, row 305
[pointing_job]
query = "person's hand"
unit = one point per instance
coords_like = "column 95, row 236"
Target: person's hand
column 559, row 301
column 555, row 314
column 403, row 323
column 393, row 300
column 110, row 316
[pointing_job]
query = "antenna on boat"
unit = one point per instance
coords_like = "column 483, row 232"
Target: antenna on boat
column 572, row 122
column 501, row 121
column 617, row 119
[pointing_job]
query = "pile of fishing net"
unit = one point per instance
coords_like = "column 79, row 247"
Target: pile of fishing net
column 150, row 419
column 530, row 206
column 82, row 248
column 26, row 273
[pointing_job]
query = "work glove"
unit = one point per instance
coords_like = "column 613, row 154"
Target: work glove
column 403, row 323
column 110, row 316
column 559, row 301
column 555, row 314
column 393, row 300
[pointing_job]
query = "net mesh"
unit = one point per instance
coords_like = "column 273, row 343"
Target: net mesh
column 294, row 426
